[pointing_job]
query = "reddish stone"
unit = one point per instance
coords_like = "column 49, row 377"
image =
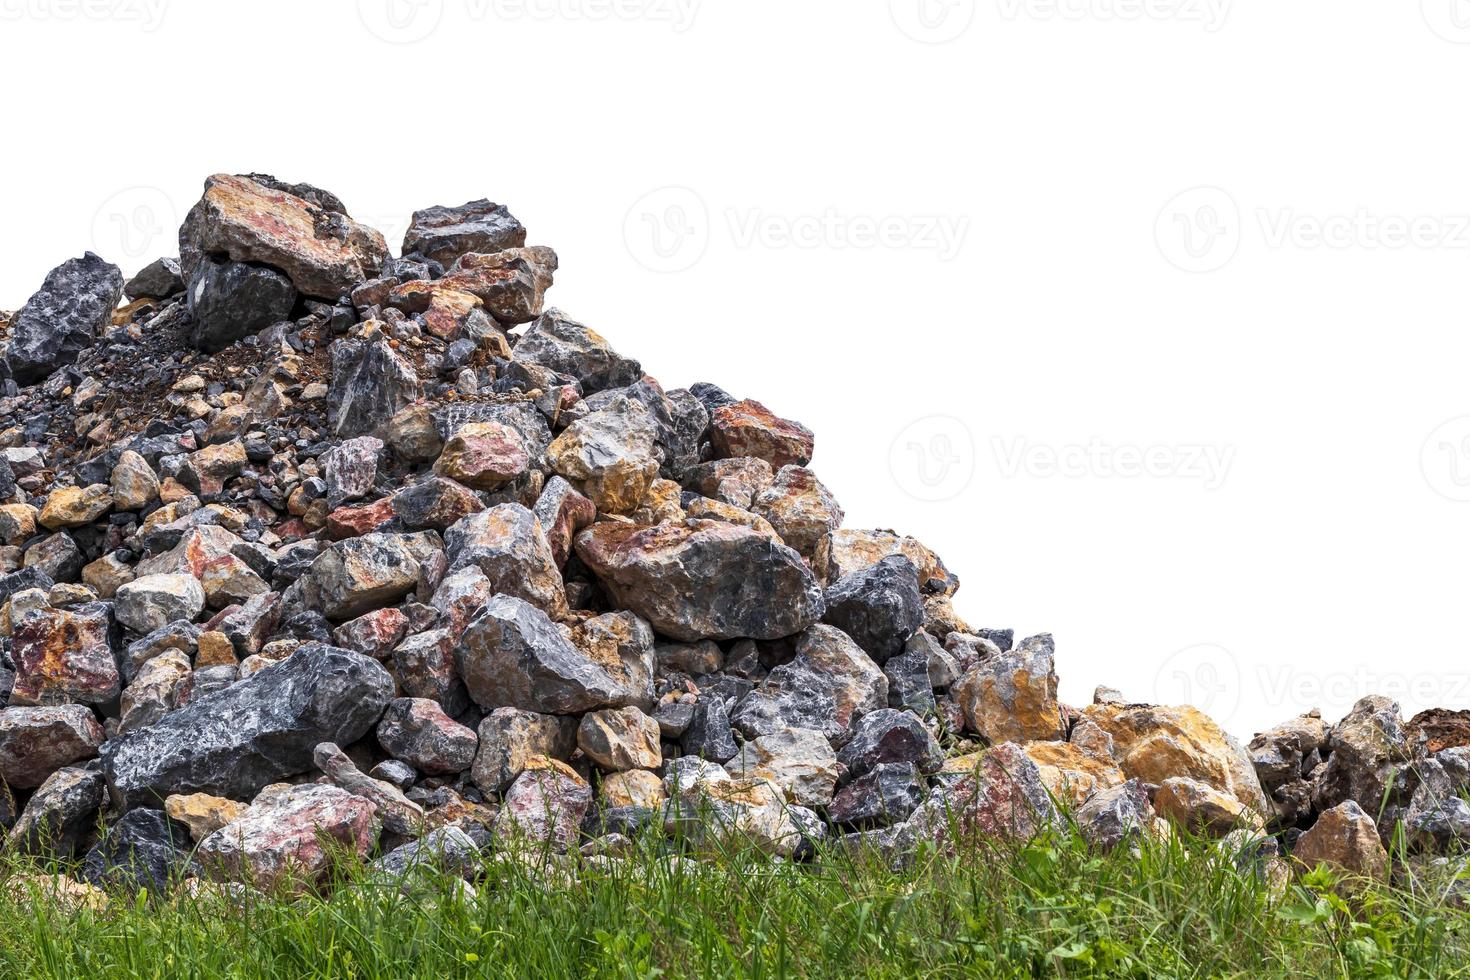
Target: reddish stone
column 748, row 428
column 353, row 522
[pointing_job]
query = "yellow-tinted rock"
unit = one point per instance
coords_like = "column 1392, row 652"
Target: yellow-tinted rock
column 203, row 814
column 635, row 787
column 215, row 650
column 1070, row 773
column 75, row 506
column 1155, row 743
column 1202, row 809
column 1346, row 838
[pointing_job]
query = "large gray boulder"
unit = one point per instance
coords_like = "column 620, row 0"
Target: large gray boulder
column 63, row 318
column 254, row 733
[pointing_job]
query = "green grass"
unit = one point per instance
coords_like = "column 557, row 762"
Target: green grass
column 1050, row 908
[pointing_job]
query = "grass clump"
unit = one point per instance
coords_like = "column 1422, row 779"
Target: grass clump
column 1052, row 907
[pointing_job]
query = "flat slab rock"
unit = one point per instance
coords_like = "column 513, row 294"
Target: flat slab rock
column 253, row 733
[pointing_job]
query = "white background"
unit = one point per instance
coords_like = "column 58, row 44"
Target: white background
column 1301, row 319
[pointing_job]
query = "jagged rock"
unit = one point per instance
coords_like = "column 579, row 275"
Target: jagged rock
column 1002, row 797
column 620, row 739
column 424, row 664
column 17, row 523
column 260, row 730
column 63, row 318
column 373, row 634
column 154, row 601
column 57, row 556
column 1438, row 816
column 881, row 797
column 483, row 455
column 722, row 814
column 134, row 484
column 35, row 742
column 359, row 575
column 830, row 684
column 886, row 736
column 748, row 428
column 60, row 816
column 1279, row 755
column 879, row 607
column 1117, row 815
column 323, row 251
column 703, row 579
column 443, row 234
column 159, row 279
column 1201, row 808
column 279, row 841
column 565, row 346
column 506, row 543
column 352, row 469
column 1013, row 697
column 610, row 455
column 69, row 507
column 800, row 508
column 910, row 686
column 397, row 813
column 203, row 814
column 1074, row 770
column 545, row 805
column 510, row 283
column 1440, row 729
column 417, row 731
column 435, row 502
column 371, row 384
column 798, row 760
column 512, row 655
column 1366, row 755
column 446, row 850
column 1155, row 743
column 708, row 734
column 229, row 301
column 632, row 789
column 145, row 849
column 1347, row 838
column 845, row 551
column 509, row 739
column 563, row 512
column 64, row 655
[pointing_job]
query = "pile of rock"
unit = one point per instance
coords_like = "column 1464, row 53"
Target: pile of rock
column 301, row 540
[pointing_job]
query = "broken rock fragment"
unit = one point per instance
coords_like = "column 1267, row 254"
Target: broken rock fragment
column 63, row 318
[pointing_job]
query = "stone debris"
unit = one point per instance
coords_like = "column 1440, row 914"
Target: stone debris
column 309, row 542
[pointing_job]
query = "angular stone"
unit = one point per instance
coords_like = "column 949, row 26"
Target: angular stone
column 610, row 455
column 1073, row 771
column 435, row 503
column 1438, row 816
column 398, row 814
column 359, row 575
column 155, row 691
column 623, row 645
column 737, row 482
column 195, row 549
column 544, row 806
column 418, row 732
column 354, row 522
column 35, row 742
column 748, row 428
column 446, row 850
column 847, row 550
column 885, row 736
column 371, row 383
column 228, row 581
column 567, row 347
column 352, row 469
column 512, row 655
column 484, row 456
column 412, row 436
column 154, row 601
column 1440, row 729
column 507, row 544
column 704, row 579
column 1117, row 815
column 799, row 507
column 61, row 816
column 373, row 634
column 443, row 234
column 63, row 318
column 1003, row 797
column 17, row 523
column 1366, row 754
column 424, row 664
column 64, row 656
column 229, row 301
column 879, row 607
column 57, row 556
column 134, row 484
column 798, row 760
column 721, row 815
column 1280, row 754
column 145, row 849
column 509, row 739
column 910, row 686
column 620, row 739
column 159, row 279
column 563, row 512
column 1013, row 697
column 74, row 506
column 1155, row 743
column 708, row 734
column 1346, row 838
column 278, row 842
column 255, row 732
column 881, row 797
column 632, row 788
column 203, row 814
column 1200, row 808
column 323, row 251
